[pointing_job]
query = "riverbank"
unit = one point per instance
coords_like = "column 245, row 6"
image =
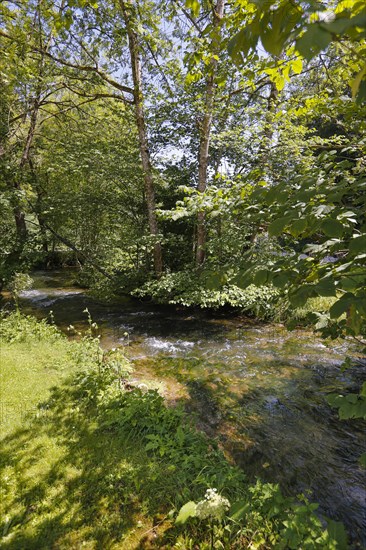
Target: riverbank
column 89, row 459
column 258, row 389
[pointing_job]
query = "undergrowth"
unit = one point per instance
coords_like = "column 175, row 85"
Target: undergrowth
column 207, row 290
column 100, row 463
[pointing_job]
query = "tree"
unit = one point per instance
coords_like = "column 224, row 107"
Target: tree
column 337, row 223
column 205, row 124
column 129, row 15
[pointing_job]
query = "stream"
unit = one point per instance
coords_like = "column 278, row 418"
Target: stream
column 258, row 388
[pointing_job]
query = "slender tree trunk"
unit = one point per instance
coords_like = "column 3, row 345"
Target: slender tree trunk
column 263, row 158
column 19, row 215
column 75, row 249
column 20, row 224
column 41, row 222
column 31, row 131
column 135, row 57
column 204, row 136
column 264, row 148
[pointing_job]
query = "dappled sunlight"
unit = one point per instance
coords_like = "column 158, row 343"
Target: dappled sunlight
column 64, row 474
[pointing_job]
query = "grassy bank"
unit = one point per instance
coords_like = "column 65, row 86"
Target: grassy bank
column 88, row 460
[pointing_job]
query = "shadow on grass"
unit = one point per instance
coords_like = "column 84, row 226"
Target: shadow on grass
column 67, row 483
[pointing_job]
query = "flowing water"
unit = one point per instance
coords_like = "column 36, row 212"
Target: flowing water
column 257, row 388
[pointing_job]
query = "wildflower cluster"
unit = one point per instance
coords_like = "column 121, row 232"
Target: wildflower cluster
column 213, row 506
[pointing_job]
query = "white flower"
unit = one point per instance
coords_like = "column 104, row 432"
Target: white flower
column 213, row 506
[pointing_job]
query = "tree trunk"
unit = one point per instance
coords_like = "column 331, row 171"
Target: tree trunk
column 41, row 223
column 204, row 137
column 78, row 252
column 20, row 224
column 19, row 215
column 143, row 141
column 264, row 148
column 263, row 158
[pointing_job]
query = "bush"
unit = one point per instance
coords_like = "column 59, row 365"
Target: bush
column 205, row 290
column 16, row 327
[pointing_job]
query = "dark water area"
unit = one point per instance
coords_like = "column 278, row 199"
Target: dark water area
column 259, row 389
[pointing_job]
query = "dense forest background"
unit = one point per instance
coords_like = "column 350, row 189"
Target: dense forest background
column 199, row 153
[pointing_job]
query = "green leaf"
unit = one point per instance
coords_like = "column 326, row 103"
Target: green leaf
column 296, row 65
column 239, row 509
column 261, row 277
column 352, row 282
column 352, row 398
column 180, row 436
column 332, row 228
column 276, row 26
column 361, row 94
column 214, row 280
column 313, row 41
column 299, row 297
column 298, row 227
column 338, row 26
column 357, row 82
column 341, row 306
column 326, row 287
column 338, row 533
column 358, row 244
column 193, row 5
column 349, row 406
column 276, row 227
column 280, row 280
column 187, row 511
column 243, row 279
column 279, row 81
column 241, row 42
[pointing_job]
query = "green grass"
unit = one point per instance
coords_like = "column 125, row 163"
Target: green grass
column 29, row 370
column 60, row 481
column 88, row 462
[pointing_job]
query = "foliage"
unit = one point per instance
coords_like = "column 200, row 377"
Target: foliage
column 308, row 28
column 246, row 523
column 332, row 260
column 207, row 290
column 16, row 327
column 285, row 148
column 250, row 119
column 352, row 405
column 18, row 283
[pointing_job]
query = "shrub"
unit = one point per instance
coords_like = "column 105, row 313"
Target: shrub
column 203, row 290
column 15, row 327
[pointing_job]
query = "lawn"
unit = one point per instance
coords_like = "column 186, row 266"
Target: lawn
column 62, row 484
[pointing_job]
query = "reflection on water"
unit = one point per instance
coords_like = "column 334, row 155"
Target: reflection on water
column 260, row 389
